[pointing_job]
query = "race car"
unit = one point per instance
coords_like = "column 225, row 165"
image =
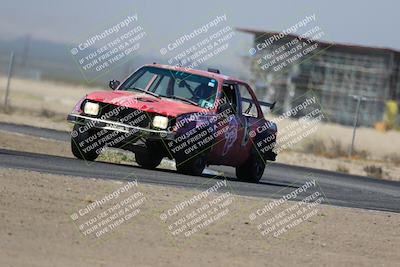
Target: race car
column 197, row 117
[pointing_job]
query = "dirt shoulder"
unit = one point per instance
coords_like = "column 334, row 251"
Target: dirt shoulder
column 37, row 230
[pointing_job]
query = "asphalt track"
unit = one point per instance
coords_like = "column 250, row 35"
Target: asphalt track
column 278, row 180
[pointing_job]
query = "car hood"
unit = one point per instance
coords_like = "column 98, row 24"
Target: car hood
column 145, row 102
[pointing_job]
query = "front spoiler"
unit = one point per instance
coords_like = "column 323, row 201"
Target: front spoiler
column 120, row 127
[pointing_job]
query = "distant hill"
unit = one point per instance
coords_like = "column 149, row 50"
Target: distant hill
column 54, row 60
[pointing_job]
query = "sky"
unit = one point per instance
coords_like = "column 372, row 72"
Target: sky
column 372, row 23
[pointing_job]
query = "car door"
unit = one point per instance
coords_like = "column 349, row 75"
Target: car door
column 228, row 149
column 254, row 119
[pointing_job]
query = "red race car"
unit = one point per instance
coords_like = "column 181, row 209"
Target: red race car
column 196, row 117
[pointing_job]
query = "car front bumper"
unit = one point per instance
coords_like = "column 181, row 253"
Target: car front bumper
column 119, row 127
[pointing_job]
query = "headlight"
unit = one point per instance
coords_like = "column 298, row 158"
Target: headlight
column 160, row 122
column 91, row 108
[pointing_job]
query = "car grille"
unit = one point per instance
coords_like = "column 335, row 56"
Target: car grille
column 133, row 117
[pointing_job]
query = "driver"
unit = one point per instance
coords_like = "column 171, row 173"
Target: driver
column 203, row 92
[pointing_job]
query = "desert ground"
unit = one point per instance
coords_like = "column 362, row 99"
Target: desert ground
column 37, row 230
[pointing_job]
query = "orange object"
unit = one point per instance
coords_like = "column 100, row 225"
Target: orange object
column 381, row 126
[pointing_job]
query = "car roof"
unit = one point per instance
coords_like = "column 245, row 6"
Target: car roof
column 205, row 73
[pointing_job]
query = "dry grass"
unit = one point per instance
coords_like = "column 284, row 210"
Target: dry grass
column 394, row 158
column 332, row 149
column 116, row 156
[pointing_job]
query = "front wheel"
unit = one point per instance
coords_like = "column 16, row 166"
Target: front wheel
column 80, row 146
column 252, row 170
column 148, row 160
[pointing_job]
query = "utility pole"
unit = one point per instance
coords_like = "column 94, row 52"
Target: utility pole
column 25, row 52
column 10, row 69
column 358, row 98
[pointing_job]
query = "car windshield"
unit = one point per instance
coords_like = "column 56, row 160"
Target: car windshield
column 193, row 89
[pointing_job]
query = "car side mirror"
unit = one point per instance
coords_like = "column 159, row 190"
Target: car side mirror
column 113, row 84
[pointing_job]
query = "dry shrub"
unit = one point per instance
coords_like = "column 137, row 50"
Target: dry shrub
column 47, row 113
column 341, row 168
column 316, row 146
column 337, row 150
column 395, row 158
column 373, row 171
column 6, row 110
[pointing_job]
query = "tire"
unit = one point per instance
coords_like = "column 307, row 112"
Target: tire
column 79, row 152
column 148, row 160
column 252, row 170
column 194, row 166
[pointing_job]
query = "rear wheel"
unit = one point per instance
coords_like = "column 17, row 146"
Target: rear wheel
column 194, row 166
column 252, row 170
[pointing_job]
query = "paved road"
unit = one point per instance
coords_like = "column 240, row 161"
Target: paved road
column 278, row 180
column 35, row 131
